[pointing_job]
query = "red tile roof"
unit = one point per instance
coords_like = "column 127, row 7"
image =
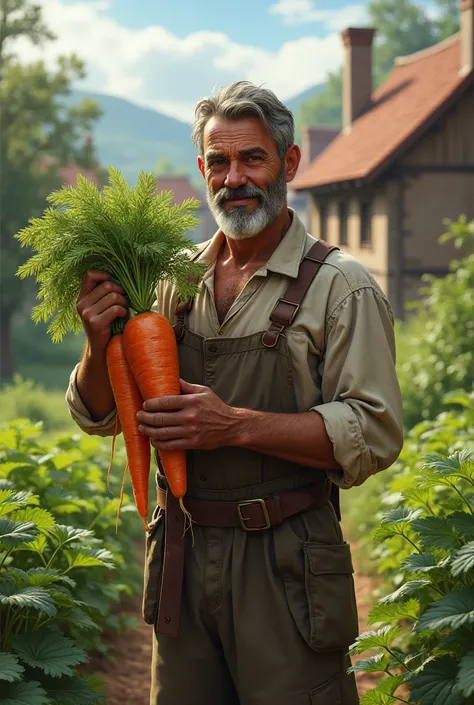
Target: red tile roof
column 68, row 174
column 181, row 187
column 418, row 90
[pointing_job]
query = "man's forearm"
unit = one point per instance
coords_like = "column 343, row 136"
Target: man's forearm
column 299, row 438
column 93, row 384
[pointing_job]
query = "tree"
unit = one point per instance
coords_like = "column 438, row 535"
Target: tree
column 39, row 134
column 403, row 27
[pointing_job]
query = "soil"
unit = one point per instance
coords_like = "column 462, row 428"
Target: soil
column 127, row 676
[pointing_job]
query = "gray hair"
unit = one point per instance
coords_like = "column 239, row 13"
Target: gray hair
column 244, row 99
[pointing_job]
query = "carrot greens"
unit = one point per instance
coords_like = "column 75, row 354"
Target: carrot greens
column 135, row 234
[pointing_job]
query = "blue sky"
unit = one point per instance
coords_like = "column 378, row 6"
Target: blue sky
column 166, row 54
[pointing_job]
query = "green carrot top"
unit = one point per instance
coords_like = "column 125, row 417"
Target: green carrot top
column 132, row 233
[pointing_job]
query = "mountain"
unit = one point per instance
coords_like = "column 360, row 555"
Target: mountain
column 294, row 103
column 133, row 138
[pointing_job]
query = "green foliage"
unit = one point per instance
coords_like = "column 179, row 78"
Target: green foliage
column 23, row 399
column 425, row 627
column 133, row 234
column 54, row 497
column 436, row 346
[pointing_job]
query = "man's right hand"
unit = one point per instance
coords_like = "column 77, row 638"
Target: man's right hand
column 100, row 302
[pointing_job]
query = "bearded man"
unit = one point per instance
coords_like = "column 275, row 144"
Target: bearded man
column 288, row 390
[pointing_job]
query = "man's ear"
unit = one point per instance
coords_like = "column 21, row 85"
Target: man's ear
column 292, row 162
column 200, row 163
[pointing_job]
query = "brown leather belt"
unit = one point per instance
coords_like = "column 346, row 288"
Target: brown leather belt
column 250, row 515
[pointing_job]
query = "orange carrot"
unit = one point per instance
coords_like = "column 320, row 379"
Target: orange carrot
column 129, row 401
column 151, row 350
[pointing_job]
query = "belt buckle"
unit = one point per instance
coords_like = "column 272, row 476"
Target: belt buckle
column 243, row 519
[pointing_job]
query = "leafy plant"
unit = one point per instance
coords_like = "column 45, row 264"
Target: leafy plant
column 38, row 562
column 424, row 629
column 436, row 345
column 68, row 479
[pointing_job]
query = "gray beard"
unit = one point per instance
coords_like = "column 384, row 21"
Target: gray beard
column 239, row 225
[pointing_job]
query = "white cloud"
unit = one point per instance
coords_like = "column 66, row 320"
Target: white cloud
column 294, row 12
column 155, row 67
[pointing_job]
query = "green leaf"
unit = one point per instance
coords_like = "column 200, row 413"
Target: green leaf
column 13, row 533
column 35, row 598
column 401, row 515
column 463, row 561
column 82, row 559
column 382, row 638
column 43, row 577
column 53, row 653
column 406, row 589
column 376, row 697
column 390, row 685
column 419, row 563
column 42, row 518
column 29, row 693
column 372, row 664
column 465, row 679
column 66, row 534
column 436, row 532
column 454, row 610
column 395, row 611
column 70, row 691
column 464, row 524
column 436, row 683
column 79, row 619
column 10, row 668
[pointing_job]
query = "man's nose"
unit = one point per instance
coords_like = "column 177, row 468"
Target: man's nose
column 235, row 176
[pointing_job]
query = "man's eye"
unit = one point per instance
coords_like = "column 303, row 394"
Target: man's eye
column 254, row 158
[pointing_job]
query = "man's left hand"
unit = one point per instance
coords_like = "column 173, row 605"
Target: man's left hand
column 197, row 419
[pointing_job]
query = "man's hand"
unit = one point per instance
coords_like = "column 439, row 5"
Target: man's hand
column 99, row 303
column 195, row 420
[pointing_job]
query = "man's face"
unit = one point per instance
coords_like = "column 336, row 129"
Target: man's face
column 245, row 177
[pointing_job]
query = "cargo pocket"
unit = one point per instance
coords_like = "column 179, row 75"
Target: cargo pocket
column 331, row 596
column 154, row 548
column 328, row 693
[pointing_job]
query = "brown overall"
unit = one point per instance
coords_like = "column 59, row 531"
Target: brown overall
column 267, row 610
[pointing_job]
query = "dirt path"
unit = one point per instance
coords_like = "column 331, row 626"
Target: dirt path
column 127, row 676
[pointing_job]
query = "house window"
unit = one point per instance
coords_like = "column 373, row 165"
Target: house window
column 365, row 224
column 343, row 223
column 323, row 220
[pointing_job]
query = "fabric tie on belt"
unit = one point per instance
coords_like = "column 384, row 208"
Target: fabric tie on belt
column 249, row 515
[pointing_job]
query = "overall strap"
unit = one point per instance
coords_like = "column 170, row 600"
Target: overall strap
column 287, row 307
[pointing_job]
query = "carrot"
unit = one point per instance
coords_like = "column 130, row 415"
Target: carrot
column 151, row 350
column 129, row 401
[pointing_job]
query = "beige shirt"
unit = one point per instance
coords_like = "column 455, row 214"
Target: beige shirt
column 341, row 345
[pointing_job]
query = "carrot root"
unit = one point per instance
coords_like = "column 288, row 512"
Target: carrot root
column 112, row 453
column 121, row 498
column 188, row 520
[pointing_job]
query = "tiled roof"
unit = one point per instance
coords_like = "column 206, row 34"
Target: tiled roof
column 413, row 96
column 68, row 174
column 181, row 187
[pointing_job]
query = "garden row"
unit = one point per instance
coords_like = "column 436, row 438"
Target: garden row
column 416, row 521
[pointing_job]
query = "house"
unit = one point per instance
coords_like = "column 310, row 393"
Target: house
column 183, row 189
column 403, row 162
column 314, row 140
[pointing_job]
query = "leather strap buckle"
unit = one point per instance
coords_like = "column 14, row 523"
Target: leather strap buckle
column 292, row 317
column 243, row 520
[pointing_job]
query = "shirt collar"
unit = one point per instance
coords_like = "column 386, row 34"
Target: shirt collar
column 284, row 260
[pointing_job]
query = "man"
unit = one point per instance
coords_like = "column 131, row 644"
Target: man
column 288, row 385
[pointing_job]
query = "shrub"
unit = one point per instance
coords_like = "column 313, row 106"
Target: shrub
column 27, row 400
column 424, row 636
column 68, row 480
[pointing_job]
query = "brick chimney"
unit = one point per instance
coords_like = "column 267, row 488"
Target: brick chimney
column 467, row 36
column 314, row 140
column 357, row 84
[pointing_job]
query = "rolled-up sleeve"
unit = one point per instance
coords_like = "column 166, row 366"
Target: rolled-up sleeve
column 362, row 406
column 81, row 415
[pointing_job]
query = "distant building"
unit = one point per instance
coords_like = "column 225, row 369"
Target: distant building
column 183, row 189
column 403, row 162
column 314, row 141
